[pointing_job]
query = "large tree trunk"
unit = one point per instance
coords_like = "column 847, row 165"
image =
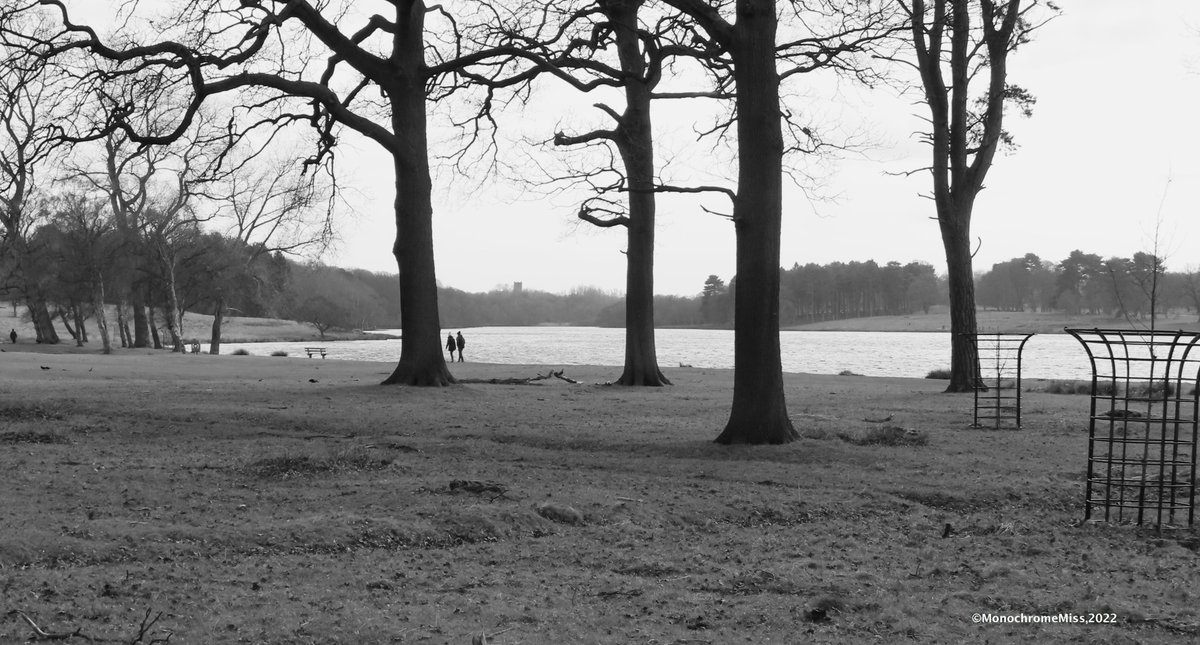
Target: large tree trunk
column 43, row 322
column 142, row 322
column 214, row 342
column 421, row 358
column 35, row 299
column 759, row 413
column 636, row 145
column 964, row 362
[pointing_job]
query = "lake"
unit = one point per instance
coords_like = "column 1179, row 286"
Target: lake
column 910, row 354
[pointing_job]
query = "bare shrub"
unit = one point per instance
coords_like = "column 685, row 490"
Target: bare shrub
column 1068, row 387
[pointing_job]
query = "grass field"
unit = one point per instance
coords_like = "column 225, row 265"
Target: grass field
column 241, row 499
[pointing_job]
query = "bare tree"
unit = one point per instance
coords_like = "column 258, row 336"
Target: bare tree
column 266, row 206
column 291, row 61
column 30, row 100
column 818, row 34
column 87, row 247
column 957, row 42
column 151, row 193
column 642, row 48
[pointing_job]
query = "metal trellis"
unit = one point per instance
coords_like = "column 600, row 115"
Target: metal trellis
column 1142, row 425
column 998, row 392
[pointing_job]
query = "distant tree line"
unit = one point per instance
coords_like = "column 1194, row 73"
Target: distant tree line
column 1086, row 283
column 73, row 245
column 334, row 298
column 835, row 291
column 811, row 293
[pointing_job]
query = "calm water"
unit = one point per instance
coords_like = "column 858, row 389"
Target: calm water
column 910, row 354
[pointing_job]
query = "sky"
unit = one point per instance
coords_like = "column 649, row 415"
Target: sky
column 1109, row 157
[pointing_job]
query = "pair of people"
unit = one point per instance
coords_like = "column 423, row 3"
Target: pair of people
column 452, row 343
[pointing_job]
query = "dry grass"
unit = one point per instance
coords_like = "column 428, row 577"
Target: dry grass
column 264, row 501
column 287, row 466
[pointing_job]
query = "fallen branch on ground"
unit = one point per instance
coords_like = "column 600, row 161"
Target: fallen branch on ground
column 520, row 381
column 628, row 593
column 148, row 622
column 43, row 635
column 482, row 638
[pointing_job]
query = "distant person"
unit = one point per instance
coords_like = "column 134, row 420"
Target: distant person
column 461, row 342
column 13, row 335
column 450, row 346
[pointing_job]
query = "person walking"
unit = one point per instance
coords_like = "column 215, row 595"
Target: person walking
column 450, row 346
column 13, row 335
column 461, row 342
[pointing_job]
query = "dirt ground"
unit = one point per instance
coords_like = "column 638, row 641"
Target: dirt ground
column 244, row 499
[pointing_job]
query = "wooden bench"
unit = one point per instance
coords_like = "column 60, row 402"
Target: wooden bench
column 314, row 350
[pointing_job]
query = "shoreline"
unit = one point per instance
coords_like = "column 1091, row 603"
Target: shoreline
column 472, row 373
column 237, row 330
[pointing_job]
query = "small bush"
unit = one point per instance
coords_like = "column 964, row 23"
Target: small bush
column 240, row 352
column 1068, row 387
column 279, row 352
column 887, row 436
column 848, row 373
column 1103, row 388
column 1155, row 390
column 943, row 375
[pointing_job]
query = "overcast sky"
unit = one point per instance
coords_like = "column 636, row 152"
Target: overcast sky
column 1112, row 148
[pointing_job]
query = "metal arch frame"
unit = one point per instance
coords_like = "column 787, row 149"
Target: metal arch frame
column 1004, row 346
column 1165, row 424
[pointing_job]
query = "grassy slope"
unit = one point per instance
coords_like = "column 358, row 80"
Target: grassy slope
column 235, row 329
column 995, row 321
column 162, row 491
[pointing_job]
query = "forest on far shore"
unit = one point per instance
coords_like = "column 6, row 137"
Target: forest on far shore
column 1081, row 284
column 332, row 298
